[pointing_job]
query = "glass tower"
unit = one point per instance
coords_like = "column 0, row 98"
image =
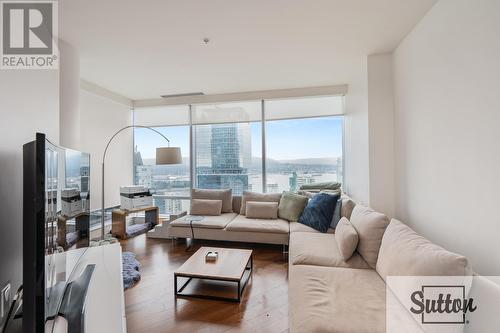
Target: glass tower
column 223, row 156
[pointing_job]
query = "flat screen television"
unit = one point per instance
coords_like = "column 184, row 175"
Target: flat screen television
column 56, row 217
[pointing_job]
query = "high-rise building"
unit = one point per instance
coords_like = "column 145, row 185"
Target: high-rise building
column 144, row 175
column 138, row 168
column 296, row 181
column 176, row 205
column 272, row 188
column 223, row 156
column 305, row 179
column 160, row 202
column 292, row 181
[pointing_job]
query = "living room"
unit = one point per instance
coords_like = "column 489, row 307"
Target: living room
column 231, row 166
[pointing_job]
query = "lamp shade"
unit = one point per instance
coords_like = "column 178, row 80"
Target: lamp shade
column 168, row 155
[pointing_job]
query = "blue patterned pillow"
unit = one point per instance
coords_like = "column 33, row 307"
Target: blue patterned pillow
column 318, row 213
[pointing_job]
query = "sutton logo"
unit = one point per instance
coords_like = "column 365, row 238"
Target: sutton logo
column 442, row 304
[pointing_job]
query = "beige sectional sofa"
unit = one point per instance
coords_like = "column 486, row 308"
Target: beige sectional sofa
column 237, row 227
column 328, row 294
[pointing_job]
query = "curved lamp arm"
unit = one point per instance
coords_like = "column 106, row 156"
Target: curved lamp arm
column 103, row 159
column 126, row 127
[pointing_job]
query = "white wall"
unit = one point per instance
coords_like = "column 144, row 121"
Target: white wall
column 100, row 118
column 381, row 133
column 447, row 107
column 29, row 103
column 356, row 138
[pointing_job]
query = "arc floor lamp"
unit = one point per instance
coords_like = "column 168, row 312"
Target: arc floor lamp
column 164, row 155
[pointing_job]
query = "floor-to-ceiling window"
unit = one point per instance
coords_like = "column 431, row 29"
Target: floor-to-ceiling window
column 170, row 184
column 303, row 144
column 302, row 152
column 227, row 141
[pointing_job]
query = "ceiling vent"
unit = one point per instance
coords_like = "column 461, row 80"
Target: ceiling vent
column 183, row 95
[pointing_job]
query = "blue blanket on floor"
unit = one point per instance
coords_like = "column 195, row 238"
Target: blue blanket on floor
column 131, row 268
column 138, row 229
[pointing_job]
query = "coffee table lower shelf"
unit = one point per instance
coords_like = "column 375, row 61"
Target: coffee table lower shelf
column 240, row 284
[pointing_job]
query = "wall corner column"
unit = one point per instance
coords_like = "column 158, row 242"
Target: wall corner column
column 69, row 93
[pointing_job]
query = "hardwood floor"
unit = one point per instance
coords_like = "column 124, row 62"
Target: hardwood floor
column 151, row 306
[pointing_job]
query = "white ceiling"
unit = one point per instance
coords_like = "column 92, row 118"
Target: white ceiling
column 144, row 49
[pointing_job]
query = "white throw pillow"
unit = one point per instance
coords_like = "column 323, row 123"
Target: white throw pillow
column 347, row 238
column 260, row 197
column 261, row 210
column 225, row 195
column 370, row 226
column 206, row 207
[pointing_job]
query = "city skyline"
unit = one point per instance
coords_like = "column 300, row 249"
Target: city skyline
column 229, row 155
column 279, row 135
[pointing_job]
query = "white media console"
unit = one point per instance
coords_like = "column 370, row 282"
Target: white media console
column 104, row 309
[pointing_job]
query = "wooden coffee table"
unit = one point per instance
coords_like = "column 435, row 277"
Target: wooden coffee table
column 233, row 266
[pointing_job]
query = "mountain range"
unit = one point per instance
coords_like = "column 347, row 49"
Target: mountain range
column 270, row 161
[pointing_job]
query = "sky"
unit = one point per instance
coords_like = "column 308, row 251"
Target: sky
column 285, row 139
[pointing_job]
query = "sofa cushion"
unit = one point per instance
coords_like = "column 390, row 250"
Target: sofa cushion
column 229, row 236
column 262, row 210
column 307, row 194
column 370, row 226
column 206, row 207
column 299, row 227
column 210, row 222
column 346, row 237
column 346, row 207
column 254, row 196
column 236, row 204
column 337, row 214
column 241, row 223
column 291, row 206
column 403, row 252
column 319, row 211
column 307, row 248
column 336, row 300
column 224, row 195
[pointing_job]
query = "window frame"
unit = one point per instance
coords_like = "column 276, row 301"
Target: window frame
column 192, row 146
